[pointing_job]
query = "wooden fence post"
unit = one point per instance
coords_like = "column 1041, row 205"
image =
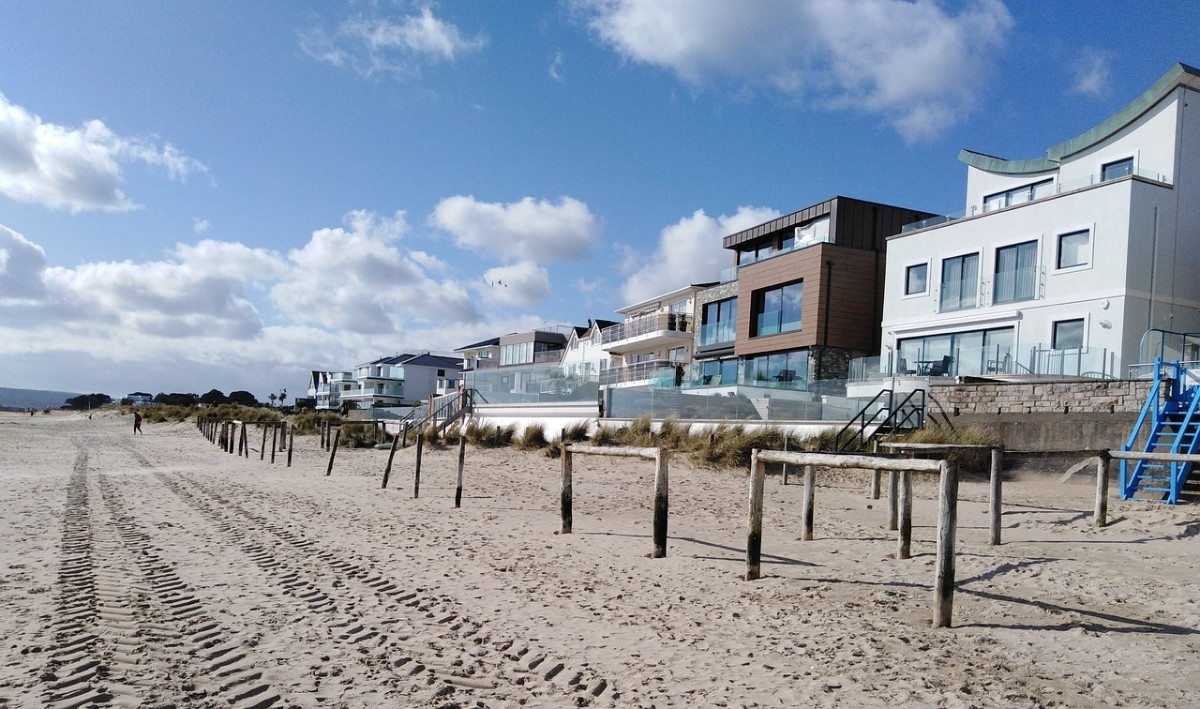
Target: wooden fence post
column 387, row 471
column 274, row 441
column 943, row 587
column 810, row 498
column 892, row 500
column 785, row 465
column 332, row 451
column 1103, row 461
column 462, row 457
column 262, row 451
column 995, row 495
column 404, row 436
column 660, row 502
column 904, row 543
column 758, row 475
column 565, row 497
column 417, row 470
column 291, row 444
column 876, row 474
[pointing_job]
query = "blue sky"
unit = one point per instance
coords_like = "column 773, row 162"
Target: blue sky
column 200, row 195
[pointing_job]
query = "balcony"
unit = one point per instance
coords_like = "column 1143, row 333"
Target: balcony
column 646, row 332
column 656, row 372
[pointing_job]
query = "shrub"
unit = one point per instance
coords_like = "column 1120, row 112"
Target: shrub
column 968, row 460
column 576, row 431
column 604, row 436
column 357, row 435
column 533, row 437
column 308, row 423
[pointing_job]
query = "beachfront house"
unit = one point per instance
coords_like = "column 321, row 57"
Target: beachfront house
column 653, row 345
column 802, row 298
column 403, row 380
column 1058, row 264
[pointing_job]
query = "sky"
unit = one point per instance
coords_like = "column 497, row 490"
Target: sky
column 199, row 195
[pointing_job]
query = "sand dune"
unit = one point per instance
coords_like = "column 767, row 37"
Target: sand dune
column 158, row 569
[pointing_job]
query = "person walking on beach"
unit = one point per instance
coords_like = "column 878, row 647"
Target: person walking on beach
column 137, row 423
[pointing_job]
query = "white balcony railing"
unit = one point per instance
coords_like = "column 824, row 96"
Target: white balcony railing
column 645, row 325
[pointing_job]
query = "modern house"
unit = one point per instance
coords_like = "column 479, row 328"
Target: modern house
column 584, row 356
column 518, row 364
column 654, row 343
column 1059, row 264
column 403, row 380
column 801, row 299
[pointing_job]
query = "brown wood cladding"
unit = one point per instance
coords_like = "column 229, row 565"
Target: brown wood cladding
column 846, row 281
column 856, row 224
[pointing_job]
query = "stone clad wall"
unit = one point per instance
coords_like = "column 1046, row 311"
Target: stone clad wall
column 1099, row 397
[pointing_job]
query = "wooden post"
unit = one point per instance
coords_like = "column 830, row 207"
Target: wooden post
column 274, row 441
column 785, row 465
column 291, row 444
column 875, row 474
column 565, row 497
column 943, row 586
column 462, row 457
column 1102, row 468
column 262, row 451
column 810, row 493
column 892, row 500
column 417, row 471
column 332, row 451
column 387, row 470
column 758, row 476
column 995, row 493
column 904, row 539
column 660, row 503
column 283, row 437
column 404, row 436
column 245, row 438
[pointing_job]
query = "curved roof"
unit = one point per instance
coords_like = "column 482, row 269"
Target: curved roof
column 1179, row 75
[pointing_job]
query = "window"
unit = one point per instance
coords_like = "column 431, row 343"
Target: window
column 719, row 324
column 787, row 370
column 1113, row 170
column 677, row 354
column 916, row 279
column 1068, row 335
column 1018, row 195
column 776, row 310
column 1016, row 273
column 960, row 282
column 1074, row 249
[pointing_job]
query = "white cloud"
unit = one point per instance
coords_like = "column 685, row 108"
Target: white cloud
column 357, row 279
column 912, row 62
column 528, row 230
column 556, row 67
column 1092, row 75
column 77, row 169
column 376, row 44
column 522, row 284
column 689, row 251
column 200, row 225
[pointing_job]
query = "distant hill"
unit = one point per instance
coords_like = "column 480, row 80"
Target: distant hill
column 32, row 398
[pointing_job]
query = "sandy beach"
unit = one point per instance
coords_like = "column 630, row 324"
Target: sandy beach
column 158, row 570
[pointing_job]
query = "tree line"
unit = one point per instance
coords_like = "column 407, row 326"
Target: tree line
column 214, row 397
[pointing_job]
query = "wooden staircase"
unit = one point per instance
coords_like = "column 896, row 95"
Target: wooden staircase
column 1171, row 419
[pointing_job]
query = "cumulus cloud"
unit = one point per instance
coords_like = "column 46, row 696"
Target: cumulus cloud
column 915, row 63
column 689, row 251
column 356, row 278
column 528, row 230
column 76, row 169
column 1092, row 74
column 200, row 225
column 396, row 45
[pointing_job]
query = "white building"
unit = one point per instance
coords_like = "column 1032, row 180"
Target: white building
column 403, row 380
column 654, row 343
column 1059, row 264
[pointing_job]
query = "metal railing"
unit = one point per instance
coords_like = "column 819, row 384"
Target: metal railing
column 661, row 371
column 645, row 325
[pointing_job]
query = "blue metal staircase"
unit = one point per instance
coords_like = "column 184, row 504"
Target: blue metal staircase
column 1171, row 419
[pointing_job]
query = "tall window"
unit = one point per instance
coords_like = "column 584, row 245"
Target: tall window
column 1018, row 195
column 1068, row 335
column 960, row 282
column 719, row 324
column 916, row 279
column 1113, row 170
column 1016, row 273
column 1074, row 249
column 776, row 310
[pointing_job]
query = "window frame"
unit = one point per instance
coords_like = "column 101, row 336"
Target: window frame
column 1010, row 194
column 1112, row 163
column 1083, row 339
column 1037, row 260
column 758, row 300
column 907, row 268
column 1090, row 249
column 942, row 282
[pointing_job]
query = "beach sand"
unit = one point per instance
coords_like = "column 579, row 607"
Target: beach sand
column 157, row 569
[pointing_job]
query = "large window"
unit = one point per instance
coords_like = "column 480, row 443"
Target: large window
column 719, row 322
column 718, row 371
column 518, row 353
column 1074, row 249
column 1113, row 170
column 975, row 352
column 916, row 279
column 1068, row 335
column 1018, row 195
column 776, row 310
column 1016, row 273
column 960, row 282
column 788, row 370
